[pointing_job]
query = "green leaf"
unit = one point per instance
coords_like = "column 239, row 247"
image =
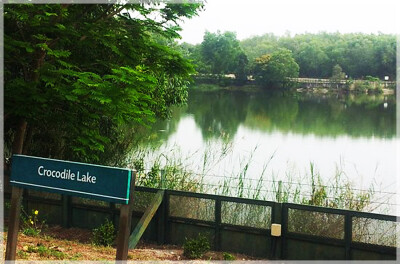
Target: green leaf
column 71, row 97
column 50, row 14
column 60, row 26
column 29, row 49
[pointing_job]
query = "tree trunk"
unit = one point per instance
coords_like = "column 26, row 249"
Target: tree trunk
column 18, row 142
column 28, row 140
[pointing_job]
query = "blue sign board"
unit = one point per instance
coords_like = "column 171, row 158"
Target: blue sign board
column 72, row 178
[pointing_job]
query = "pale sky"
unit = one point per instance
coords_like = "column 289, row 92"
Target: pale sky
column 256, row 17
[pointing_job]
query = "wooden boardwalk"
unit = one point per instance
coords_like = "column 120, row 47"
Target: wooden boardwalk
column 330, row 83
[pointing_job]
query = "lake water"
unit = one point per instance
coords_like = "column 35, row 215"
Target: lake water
column 278, row 135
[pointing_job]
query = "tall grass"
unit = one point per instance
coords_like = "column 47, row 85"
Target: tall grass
column 307, row 189
column 172, row 170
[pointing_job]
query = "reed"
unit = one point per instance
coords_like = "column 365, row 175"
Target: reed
column 307, row 189
column 171, row 170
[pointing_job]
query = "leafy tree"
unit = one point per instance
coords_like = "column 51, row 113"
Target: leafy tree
column 223, row 53
column 194, row 54
column 359, row 56
column 259, row 45
column 274, row 70
column 385, row 55
column 337, row 73
column 261, row 67
column 312, row 61
column 75, row 74
column 241, row 68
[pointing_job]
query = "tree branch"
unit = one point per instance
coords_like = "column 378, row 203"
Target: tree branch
column 105, row 17
column 115, row 12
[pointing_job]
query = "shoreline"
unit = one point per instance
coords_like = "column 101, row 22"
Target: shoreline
column 318, row 90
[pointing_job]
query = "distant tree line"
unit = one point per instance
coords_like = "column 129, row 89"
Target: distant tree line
column 270, row 59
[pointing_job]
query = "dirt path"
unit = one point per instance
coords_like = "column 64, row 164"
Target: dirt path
column 58, row 243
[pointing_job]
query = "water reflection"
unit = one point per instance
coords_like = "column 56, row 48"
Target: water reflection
column 221, row 112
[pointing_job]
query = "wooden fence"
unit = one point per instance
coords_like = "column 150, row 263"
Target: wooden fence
column 236, row 224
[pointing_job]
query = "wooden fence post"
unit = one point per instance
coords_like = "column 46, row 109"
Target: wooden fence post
column 348, row 235
column 217, row 240
column 66, row 211
column 167, row 231
column 276, row 242
column 284, row 224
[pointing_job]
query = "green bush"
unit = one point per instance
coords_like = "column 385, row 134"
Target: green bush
column 31, row 231
column 228, row 256
column 372, row 78
column 196, row 247
column 104, row 235
column 22, row 254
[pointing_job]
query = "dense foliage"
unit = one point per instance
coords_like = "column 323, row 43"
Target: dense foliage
column 76, row 75
column 358, row 54
column 317, row 55
column 275, row 69
column 218, row 54
column 215, row 50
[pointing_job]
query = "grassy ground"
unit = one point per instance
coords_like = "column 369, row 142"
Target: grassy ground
column 56, row 243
